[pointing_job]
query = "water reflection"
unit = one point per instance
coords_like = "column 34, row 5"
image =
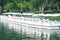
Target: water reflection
column 9, row 31
column 10, row 34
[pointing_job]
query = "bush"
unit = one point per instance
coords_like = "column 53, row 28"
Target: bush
column 9, row 6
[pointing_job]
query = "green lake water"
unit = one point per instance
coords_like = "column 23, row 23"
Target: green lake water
column 6, row 34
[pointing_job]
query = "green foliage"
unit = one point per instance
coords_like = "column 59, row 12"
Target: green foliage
column 0, row 7
column 32, row 5
column 20, row 5
column 9, row 6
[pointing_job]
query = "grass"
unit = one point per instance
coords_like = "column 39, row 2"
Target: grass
column 53, row 18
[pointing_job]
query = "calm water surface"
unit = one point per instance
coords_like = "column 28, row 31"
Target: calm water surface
column 6, row 34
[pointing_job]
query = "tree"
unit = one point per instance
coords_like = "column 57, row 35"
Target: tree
column 2, row 3
column 31, row 5
column 9, row 6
